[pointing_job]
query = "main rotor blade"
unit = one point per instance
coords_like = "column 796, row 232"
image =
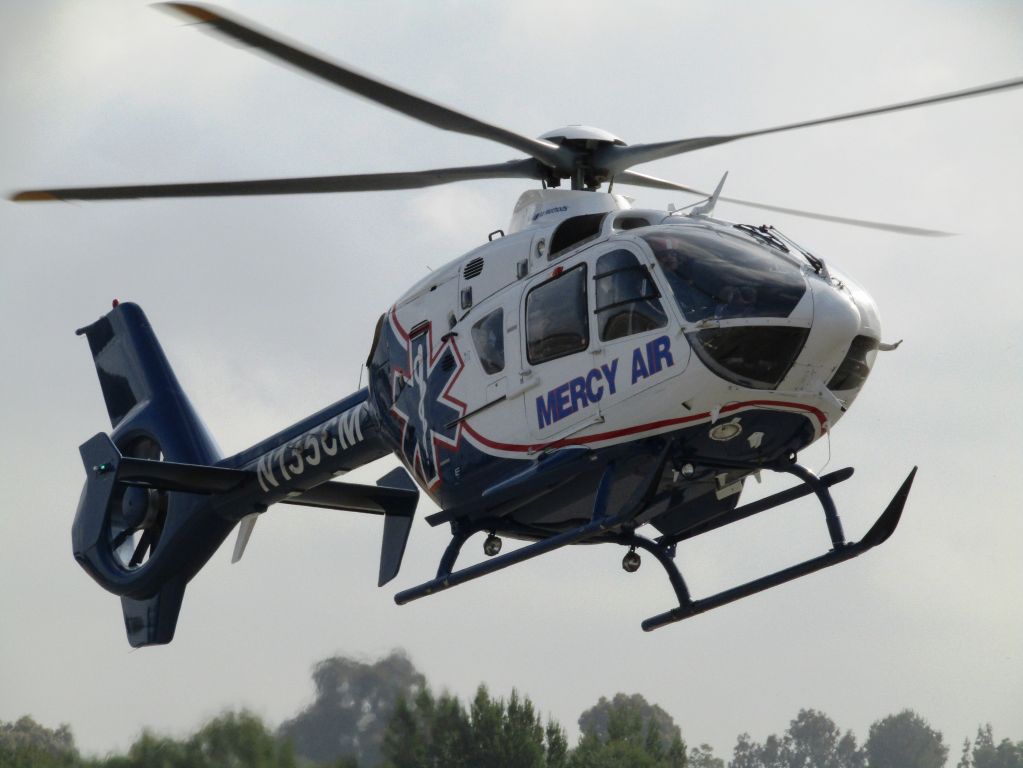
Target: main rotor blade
column 642, row 180
column 617, row 158
column 362, row 182
column 375, row 90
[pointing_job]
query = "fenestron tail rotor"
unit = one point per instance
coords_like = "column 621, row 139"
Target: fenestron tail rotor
column 587, row 157
column 137, row 514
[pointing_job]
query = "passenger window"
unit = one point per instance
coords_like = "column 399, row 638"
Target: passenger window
column 556, row 318
column 628, row 302
column 488, row 338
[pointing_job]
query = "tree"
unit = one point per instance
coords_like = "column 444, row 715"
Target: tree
column 151, row 751
column 427, row 731
column 750, row 754
column 556, row 744
column 985, row 754
column 745, row 754
column 630, row 732
column 965, row 760
column 26, row 743
column 703, row 757
column 231, row 740
column 354, row 703
column 905, row 740
column 593, row 753
column 492, row 733
column 238, row 739
column 811, row 741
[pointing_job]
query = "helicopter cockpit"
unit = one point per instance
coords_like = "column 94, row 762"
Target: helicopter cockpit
column 717, row 277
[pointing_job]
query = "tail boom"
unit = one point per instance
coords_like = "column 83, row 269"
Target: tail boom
column 160, row 475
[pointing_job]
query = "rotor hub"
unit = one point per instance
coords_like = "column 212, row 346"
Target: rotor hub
column 584, row 141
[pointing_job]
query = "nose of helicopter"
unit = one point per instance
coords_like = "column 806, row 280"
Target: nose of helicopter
column 843, row 338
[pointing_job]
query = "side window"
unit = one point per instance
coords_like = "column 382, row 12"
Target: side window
column 488, row 338
column 556, row 318
column 627, row 299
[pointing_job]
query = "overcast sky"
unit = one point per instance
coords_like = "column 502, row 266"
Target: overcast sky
column 266, row 308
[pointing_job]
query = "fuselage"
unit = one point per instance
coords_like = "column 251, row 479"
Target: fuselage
column 598, row 332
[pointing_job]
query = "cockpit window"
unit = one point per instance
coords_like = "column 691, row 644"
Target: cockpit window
column 628, row 302
column 856, row 366
column 752, row 356
column 488, row 338
column 722, row 276
column 557, row 322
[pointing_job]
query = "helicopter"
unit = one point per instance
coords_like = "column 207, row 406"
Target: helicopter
column 593, row 370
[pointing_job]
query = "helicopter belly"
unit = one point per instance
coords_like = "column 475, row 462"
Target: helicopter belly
column 741, row 433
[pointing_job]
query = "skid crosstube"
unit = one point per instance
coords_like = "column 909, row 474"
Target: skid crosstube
column 601, row 522
column 619, row 529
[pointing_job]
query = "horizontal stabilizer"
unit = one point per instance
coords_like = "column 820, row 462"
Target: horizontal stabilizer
column 395, row 497
column 352, row 497
column 172, row 476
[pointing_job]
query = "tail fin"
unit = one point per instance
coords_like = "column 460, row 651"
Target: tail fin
column 118, row 528
column 142, row 394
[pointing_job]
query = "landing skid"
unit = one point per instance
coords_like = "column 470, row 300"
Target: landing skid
column 842, row 551
column 619, row 529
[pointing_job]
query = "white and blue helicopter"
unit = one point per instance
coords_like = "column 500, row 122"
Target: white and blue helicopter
column 596, row 374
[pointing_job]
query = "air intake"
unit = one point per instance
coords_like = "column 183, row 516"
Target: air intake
column 473, row 269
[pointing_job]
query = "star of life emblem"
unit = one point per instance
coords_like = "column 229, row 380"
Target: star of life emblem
column 422, row 402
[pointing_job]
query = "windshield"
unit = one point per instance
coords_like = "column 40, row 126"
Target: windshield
column 719, row 275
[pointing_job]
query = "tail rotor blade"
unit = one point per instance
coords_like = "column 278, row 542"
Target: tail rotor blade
column 121, row 537
column 142, row 548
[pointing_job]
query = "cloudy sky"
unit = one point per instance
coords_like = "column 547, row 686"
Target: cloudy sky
column 266, row 308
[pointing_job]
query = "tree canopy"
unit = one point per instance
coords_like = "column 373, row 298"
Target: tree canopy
column 230, row 740
column 630, row 732
column 439, row 731
column 353, row 705
column 384, row 715
column 27, row 743
column 905, row 740
column 984, row 753
column 811, row 741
